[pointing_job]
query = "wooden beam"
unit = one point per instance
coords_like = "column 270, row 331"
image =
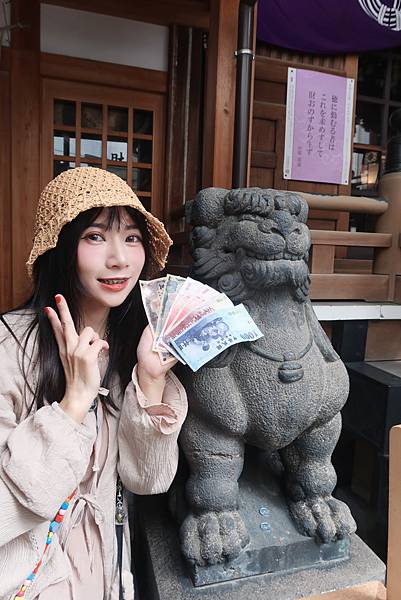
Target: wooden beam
column 345, row 203
column 350, row 238
column 25, row 126
column 349, row 287
column 270, row 69
column 220, row 94
column 55, row 66
column 192, row 13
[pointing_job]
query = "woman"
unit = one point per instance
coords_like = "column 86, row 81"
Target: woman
column 82, row 395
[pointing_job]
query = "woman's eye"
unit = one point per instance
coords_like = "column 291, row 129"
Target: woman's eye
column 134, row 239
column 94, row 237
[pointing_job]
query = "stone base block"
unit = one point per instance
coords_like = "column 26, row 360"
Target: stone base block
column 162, row 573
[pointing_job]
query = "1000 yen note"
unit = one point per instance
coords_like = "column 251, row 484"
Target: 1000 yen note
column 171, row 289
column 152, row 293
column 215, row 333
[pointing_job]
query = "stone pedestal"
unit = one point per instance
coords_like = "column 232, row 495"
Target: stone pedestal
column 275, row 545
column 278, row 564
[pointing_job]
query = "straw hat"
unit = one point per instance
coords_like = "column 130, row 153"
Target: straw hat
column 80, row 189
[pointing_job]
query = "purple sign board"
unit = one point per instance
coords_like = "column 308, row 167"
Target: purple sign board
column 318, row 133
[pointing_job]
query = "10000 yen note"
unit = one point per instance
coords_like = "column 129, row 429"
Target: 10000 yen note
column 152, row 293
column 214, row 333
column 171, row 289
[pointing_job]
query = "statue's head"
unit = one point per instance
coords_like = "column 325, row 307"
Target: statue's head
column 249, row 240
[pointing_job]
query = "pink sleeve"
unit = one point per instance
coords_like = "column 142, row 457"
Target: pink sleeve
column 169, row 415
column 147, row 437
column 42, row 460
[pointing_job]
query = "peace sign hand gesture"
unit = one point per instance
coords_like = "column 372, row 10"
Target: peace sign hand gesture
column 79, row 357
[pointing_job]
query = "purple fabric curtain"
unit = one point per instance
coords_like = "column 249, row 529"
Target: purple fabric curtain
column 330, row 26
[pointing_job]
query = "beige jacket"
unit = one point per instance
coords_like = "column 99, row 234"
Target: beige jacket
column 44, row 456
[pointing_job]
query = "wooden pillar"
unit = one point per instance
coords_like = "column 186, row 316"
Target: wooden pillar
column 5, row 173
column 183, row 147
column 220, row 94
column 394, row 517
column 25, row 128
column 388, row 260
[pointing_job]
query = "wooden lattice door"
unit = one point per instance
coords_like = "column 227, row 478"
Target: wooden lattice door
column 115, row 129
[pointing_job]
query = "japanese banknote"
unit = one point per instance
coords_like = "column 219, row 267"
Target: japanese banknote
column 192, row 322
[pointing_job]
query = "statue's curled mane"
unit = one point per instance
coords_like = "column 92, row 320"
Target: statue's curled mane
column 219, row 217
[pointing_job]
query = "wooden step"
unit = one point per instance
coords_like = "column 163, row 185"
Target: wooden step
column 373, row 590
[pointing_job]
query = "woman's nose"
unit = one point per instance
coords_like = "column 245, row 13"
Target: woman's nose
column 117, row 255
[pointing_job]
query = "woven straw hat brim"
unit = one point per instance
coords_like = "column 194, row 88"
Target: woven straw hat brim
column 80, row 189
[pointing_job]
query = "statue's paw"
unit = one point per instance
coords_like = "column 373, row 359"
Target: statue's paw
column 325, row 519
column 213, row 537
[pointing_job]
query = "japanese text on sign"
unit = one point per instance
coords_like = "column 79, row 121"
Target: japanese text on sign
column 318, row 127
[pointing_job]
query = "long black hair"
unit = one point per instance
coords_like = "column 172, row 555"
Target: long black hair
column 55, row 272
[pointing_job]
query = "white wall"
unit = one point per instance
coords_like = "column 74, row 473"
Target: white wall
column 4, row 21
column 100, row 37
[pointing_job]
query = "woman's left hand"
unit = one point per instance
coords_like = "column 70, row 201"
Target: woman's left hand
column 151, row 372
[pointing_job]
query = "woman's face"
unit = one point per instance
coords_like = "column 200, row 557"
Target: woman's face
column 109, row 261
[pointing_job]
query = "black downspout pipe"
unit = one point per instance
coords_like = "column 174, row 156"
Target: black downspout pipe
column 245, row 57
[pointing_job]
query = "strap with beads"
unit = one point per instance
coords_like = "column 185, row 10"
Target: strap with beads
column 54, row 525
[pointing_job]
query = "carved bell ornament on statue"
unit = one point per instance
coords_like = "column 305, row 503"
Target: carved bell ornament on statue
column 290, row 371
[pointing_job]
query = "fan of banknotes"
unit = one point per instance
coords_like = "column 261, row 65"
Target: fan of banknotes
column 192, row 322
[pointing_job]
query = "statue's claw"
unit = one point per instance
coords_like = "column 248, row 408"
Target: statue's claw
column 325, row 519
column 213, row 537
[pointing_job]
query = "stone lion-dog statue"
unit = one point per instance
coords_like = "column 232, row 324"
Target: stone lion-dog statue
column 282, row 393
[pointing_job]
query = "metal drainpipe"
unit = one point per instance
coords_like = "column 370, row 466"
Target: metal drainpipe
column 245, row 57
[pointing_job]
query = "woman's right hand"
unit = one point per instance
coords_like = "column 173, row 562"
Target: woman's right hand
column 79, row 357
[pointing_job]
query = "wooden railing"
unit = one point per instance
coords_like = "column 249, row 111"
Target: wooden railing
column 334, row 278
